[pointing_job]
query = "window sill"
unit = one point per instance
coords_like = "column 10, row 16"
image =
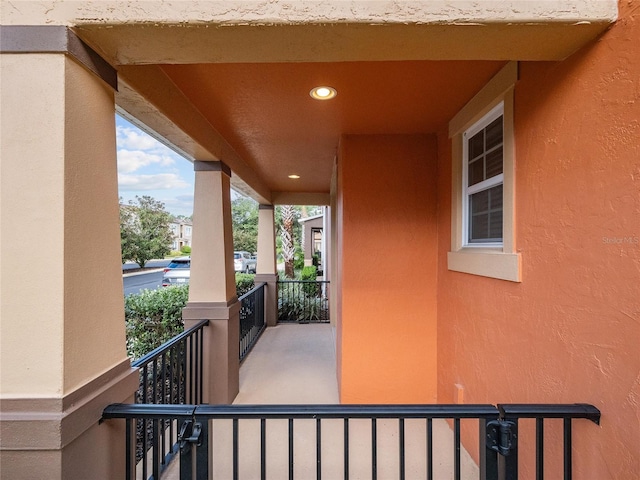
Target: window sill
column 487, row 262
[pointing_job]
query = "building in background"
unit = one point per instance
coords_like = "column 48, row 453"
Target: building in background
column 182, row 230
column 313, row 241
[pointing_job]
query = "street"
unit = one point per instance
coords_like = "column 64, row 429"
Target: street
column 135, row 283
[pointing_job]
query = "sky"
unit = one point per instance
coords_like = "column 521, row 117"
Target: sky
column 147, row 167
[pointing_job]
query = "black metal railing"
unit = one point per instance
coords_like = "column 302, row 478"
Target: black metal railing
column 252, row 318
column 497, row 434
column 303, row 301
column 169, row 375
column 513, row 412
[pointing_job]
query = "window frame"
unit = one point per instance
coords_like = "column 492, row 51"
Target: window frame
column 494, row 260
column 495, row 113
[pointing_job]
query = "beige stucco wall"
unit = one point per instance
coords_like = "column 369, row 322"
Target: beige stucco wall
column 94, row 316
column 27, row 340
column 242, row 31
column 266, row 262
column 212, row 278
column 62, row 309
column 303, row 11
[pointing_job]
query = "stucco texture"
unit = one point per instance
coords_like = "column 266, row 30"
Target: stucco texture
column 387, row 326
column 570, row 332
column 60, row 329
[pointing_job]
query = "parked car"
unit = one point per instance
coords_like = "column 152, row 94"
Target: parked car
column 244, row 262
column 176, row 276
column 178, row 262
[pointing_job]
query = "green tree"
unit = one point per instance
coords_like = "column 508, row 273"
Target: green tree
column 244, row 216
column 144, row 230
column 288, row 242
column 286, row 234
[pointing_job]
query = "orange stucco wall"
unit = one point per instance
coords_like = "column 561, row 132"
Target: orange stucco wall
column 570, row 332
column 388, row 257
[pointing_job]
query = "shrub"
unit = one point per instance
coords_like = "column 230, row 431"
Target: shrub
column 244, row 283
column 309, row 273
column 298, row 306
column 153, row 317
column 185, row 249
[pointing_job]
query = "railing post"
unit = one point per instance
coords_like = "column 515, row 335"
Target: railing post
column 568, row 467
column 259, row 318
column 509, row 462
column 502, row 437
column 271, row 296
column 488, row 456
column 130, row 455
column 156, row 425
column 194, row 449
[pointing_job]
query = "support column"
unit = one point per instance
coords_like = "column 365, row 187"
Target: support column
column 266, row 269
column 62, row 335
column 335, row 250
column 212, row 286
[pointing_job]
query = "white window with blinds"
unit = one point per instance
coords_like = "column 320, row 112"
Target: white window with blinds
column 483, row 193
column 483, row 179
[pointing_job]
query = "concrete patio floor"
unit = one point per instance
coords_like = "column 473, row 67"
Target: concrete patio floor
column 291, row 364
column 295, row 364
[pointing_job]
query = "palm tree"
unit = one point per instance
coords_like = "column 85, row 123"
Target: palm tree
column 286, row 233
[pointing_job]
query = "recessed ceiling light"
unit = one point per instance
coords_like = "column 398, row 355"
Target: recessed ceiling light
column 323, row 93
column 294, row 176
